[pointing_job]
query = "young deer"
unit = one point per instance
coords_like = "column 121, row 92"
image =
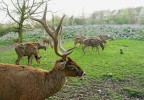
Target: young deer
column 28, row 83
column 28, row 49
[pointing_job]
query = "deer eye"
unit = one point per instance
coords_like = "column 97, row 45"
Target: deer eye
column 72, row 68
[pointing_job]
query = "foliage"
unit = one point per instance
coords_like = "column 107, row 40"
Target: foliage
column 2, row 29
column 7, row 28
column 116, row 31
column 121, row 16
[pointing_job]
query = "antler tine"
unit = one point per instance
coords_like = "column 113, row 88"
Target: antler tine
column 52, row 26
column 54, row 33
column 43, row 22
column 60, row 43
column 57, row 44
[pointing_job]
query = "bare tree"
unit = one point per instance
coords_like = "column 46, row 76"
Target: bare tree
column 18, row 11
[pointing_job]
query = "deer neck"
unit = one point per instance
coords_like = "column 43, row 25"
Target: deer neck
column 54, row 80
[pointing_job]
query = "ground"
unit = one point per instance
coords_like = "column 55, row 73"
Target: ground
column 104, row 88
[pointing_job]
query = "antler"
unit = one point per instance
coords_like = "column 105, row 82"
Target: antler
column 59, row 36
column 55, row 34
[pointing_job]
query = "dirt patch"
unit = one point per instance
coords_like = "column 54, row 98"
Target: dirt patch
column 94, row 89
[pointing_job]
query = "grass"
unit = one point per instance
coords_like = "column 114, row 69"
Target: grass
column 103, row 71
column 134, row 92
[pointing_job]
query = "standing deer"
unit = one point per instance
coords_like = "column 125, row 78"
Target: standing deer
column 28, row 83
column 28, row 49
column 78, row 39
column 47, row 41
column 104, row 37
column 93, row 42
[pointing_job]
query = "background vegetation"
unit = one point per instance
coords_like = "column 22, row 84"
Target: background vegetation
column 122, row 16
column 119, row 17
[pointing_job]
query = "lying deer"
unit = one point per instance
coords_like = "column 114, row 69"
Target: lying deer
column 93, row 42
column 28, row 83
column 28, row 49
column 47, row 41
column 78, row 39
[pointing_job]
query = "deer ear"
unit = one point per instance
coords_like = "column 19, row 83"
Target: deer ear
column 62, row 65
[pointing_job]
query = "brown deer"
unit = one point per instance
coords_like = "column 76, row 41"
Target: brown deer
column 47, row 41
column 104, row 37
column 93, row 42
column 28, row 49
column 16, row 40
column 28, row 83
column 78, row 39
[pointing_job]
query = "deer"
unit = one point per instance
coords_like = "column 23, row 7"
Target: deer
column 93, row 42
column 78, row 39
column 16, row 40
column 47, row 41
column 28, row 49
column 28, row 83
column 104, row 37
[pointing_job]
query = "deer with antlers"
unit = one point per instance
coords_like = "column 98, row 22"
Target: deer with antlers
column 28, row 83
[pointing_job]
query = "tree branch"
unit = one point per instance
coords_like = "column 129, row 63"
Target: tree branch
column 19, row 10
column 9, row 12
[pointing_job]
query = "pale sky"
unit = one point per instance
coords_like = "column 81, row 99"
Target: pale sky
column 77, row 7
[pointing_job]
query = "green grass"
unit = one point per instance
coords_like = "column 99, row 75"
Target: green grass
column 134, row 92
column 110, row 61
column 109, row 65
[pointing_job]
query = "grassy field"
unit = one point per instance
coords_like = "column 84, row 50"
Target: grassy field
column 109, row 76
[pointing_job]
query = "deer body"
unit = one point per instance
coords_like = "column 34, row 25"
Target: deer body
column 28, row 83
column 93, row 42
column 104, row 37
column 78, row 39
column 28, row 49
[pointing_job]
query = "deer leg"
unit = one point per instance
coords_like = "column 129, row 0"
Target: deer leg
column 75, row 44
column 18, row 60
column 48, row 44
column 98, row 50
column 37, row 58
column 92, row 48
column 83, row 47
column 29, row 60
column 102, row 46
column 51, row 45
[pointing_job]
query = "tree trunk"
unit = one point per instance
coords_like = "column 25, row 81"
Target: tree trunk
column 20, row 32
